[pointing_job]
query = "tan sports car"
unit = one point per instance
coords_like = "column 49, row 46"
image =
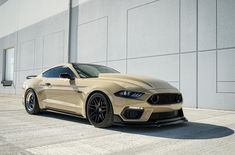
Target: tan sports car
column 103, row 96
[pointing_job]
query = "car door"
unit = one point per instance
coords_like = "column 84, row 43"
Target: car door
column 61, row 93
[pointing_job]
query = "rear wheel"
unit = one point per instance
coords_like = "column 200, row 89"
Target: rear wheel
column 99, row 110
column 31, row 102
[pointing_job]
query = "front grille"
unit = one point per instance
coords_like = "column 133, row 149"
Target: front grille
column 166, row 98
column 165, row 115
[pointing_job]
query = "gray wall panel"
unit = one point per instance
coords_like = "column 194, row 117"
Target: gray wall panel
column 93, row 33
column 226, row 22
column 53, row 52
column 38, row 53
column 27, row 52
column 160, row 34
column 207, row 79
column 226, row 87
column 162, row 67
column 74, row 36
column 207, row 96
column 188, row 25
column 188, row 76
column 226, row 65
column 206, row 24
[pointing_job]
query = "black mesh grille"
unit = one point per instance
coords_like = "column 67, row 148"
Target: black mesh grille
column 132, row 113
column 165, row 115
column 159, row 99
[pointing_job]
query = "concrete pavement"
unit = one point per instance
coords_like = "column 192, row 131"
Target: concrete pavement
column 208, row 132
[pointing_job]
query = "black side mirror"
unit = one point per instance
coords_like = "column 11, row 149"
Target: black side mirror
column 66, row 76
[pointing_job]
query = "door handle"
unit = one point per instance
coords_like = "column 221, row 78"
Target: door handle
column 47, row 84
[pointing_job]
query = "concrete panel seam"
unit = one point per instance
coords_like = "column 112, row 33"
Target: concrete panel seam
column 34, row 53
column 216, row 45
column 197, row 54
column 225, row 81
column 150, row 56
column 208, row 50
column 64, row 40
column 91, row 21
column 42, row 50
column 126, row 41
column 141, row 5
column 107, row 40
column 179, row 44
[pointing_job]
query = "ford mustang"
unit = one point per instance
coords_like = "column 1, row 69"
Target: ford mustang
column 103, row 96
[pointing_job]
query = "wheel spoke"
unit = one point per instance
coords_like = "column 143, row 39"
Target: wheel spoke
column 92, row 103
column 103, row 107
column 102, row 116
column 92, row 107
column 92, row 113
column 101, row 100
column 96, row 101
column 97, row 118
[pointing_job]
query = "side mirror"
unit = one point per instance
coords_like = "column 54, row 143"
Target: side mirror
column 66, row 76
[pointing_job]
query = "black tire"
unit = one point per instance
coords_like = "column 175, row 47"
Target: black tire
column 31, row 102
column 99, row 110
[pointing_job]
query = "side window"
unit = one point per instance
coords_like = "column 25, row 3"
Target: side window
column 52, row 73
column 68, row 71
column 55, row 72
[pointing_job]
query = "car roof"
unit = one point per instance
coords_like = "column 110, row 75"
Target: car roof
column 70, row 65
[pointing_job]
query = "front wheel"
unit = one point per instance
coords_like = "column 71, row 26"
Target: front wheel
column 31, row 102
column 99, row 111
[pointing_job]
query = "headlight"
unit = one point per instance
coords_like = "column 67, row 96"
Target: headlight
column 129, row 94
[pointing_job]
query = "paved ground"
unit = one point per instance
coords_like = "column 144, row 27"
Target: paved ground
column 208, row 132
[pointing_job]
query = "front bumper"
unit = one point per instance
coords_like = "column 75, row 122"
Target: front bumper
column 156, row 119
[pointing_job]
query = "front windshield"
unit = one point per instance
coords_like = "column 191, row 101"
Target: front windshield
column 91, row 71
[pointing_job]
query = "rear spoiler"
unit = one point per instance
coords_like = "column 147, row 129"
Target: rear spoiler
column 31, row 76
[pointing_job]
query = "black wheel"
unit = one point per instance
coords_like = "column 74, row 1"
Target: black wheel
column 99, row 111
column 31, row 102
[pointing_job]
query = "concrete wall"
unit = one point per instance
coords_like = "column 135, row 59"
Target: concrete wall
column 40, row 41
column 189, row 43
column 18, row 14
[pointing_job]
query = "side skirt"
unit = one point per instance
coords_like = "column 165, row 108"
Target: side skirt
column 65, row 112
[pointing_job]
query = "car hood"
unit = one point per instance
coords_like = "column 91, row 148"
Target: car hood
column 142, row 81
